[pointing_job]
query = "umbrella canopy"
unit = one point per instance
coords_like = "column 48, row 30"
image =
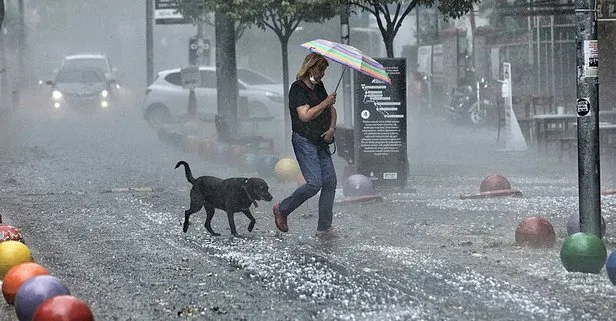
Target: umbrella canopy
column 348, row 56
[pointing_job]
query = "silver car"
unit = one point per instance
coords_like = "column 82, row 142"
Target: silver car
column 80, row 89
column 166, row 100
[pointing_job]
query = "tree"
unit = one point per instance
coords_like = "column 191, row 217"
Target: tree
column 226, row 13
column 1, row 12
column 389, row 14
column 283, row 17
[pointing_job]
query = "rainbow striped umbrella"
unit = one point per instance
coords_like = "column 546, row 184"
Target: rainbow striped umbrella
column 348, row 56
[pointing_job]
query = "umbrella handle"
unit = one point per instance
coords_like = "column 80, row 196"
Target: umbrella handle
column 338, row 84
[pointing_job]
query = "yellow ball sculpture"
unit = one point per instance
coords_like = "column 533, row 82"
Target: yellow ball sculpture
column 11, row 254
column 286, row 170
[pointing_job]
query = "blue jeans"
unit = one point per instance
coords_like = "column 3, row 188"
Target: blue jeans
column 318, row 169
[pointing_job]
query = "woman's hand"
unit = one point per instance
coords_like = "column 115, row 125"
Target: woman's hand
column 328, row 135
column 330, row 100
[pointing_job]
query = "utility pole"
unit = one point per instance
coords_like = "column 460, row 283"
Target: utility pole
column 345, row 33
column 149, row 41
column 3, row 80
column 21, row 39
column 202, row 60
column 588, row 116
column 1, row 13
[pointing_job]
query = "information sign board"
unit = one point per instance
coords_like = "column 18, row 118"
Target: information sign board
column 380, row 125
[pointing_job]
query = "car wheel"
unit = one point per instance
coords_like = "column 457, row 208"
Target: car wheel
column 158, row 115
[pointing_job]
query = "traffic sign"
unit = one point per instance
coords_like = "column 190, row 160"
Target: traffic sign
column 166, row 12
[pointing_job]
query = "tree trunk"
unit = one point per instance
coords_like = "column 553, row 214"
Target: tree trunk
column 284, row 44
column 388, row 39
column 226, row 71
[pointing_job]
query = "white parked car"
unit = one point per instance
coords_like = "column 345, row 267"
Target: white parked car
column 166, row 100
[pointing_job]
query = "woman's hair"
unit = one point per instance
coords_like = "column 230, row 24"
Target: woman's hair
column 312, row 60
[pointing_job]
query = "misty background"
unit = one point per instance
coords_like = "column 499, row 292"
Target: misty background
column 54, row 29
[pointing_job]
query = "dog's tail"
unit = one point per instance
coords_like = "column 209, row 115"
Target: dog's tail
column 189, row 176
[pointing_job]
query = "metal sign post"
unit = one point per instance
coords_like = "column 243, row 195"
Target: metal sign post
column 588, row 117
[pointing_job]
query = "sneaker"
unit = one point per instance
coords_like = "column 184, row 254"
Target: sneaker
column 327, row 233
column 279, row 219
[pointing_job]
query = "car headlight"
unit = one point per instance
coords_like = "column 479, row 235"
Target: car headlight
column 274, row 96
column 104, row 93
column 56, row 95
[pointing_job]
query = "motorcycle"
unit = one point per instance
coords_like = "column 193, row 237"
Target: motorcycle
column 470, row 103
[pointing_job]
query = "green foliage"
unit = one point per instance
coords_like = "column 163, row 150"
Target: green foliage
column 389, row 14
column 278, row 15
column 456, row 8
column 275, row 14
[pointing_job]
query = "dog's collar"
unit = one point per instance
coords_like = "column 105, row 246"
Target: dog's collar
column 248, row 193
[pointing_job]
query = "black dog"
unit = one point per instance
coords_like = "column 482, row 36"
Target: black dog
column 231, row 195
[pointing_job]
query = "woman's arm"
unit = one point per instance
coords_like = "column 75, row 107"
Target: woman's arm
column 306, row 114
column 328, row 135
column 332, row 123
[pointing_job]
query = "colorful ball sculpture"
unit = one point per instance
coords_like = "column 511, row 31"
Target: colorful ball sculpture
column 247, row 161
column 610, row 266
column 494, row 183
column 10, row 233
column 265, row 165
column 286, row 170
column 219, row 151
column 205, row 148
column 63, row 308
column 299, row 179
column 235, row 153
column 11, row 254
column 35, row 291
column 583, row 252
column 358, row 185
column 191, row 144
column 536, row 232
column 176, row 139
column 16, row 276
column 573, row 224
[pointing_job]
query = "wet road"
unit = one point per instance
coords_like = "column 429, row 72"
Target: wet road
column 425, row 255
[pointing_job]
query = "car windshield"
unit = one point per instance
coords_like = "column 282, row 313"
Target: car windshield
column 253, row 78
column 79, row 76
column 99, row 63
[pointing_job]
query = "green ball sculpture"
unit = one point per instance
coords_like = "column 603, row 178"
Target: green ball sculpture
column 583, row 252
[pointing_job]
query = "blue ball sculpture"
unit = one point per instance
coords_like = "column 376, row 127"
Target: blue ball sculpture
column 610, row 266
column 220, row 151
column 35, row 291
column 265, row 165
column 358, row 185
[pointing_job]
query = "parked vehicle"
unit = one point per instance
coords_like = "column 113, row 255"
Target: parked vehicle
column 166, row 100
column 471, row 103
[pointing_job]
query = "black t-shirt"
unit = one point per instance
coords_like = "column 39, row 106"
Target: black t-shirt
column 300, row 94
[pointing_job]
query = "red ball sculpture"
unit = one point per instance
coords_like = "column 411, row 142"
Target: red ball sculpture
column 63, row 308
column 536, row 232
column 494, row 183
column 16, row 276
column 9, row 233
column 235, row 152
